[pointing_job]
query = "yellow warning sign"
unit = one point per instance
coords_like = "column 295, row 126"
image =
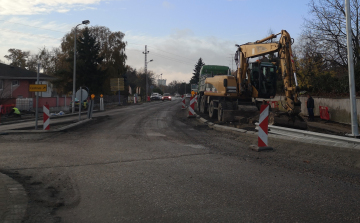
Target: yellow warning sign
column 38, row 87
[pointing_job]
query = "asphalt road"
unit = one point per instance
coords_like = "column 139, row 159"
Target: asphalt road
column 149, row 163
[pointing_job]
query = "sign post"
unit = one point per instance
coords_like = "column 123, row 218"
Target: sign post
column 37, row 99
column 117, row 84
column 102, row 103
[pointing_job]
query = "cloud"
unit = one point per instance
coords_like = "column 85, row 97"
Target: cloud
column 167, row 5
column 21, row 7
column 29, row 35
column 175, row 55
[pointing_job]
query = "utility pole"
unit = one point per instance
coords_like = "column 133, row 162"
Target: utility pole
column 162, row 88
column 354, row 124
column 146, row 52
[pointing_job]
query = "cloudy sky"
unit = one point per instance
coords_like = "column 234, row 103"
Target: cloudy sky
column 177, row 32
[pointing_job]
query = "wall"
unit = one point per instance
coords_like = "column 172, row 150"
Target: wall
column 22, row 89
column 52, row 102
column 339, row 108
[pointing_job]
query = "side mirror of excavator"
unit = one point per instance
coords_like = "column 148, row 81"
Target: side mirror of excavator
column 225, row 82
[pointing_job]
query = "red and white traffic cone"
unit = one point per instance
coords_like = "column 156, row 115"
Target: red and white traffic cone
column 183, row 102
column 263, row 128
column 191, row 107
column 46, row 117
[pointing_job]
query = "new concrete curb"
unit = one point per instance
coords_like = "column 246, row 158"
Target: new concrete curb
column 64, row 128
column 223, row 128
column 13, row 200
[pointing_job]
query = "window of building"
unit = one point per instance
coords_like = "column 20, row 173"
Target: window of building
column 15, row 83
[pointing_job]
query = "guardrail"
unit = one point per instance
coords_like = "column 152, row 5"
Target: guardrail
column 334, row 140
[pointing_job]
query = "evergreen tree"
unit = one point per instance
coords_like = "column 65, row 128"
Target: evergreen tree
column 196, row 74
column 88, row 64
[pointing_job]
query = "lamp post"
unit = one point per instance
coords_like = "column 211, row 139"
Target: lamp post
column 146, row 77
column 85, row 22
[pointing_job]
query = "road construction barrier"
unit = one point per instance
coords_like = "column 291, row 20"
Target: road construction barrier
column 183, row 102
column 46, row 117
column 102, row 107
column 324, row 113
column 263, row 126
column 274, row 104
column 135, row 99
column 191, row 107
column 5, row 109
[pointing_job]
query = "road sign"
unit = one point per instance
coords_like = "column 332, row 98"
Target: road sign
column 38, row 87
column 101, row 95
column 84, row 94
column 117, row 84
column 92, row 96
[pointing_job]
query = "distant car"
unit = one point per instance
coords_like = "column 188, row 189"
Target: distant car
column 166, row 97
column 155, row 96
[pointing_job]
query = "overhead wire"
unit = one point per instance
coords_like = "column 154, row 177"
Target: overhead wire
column 172, row 53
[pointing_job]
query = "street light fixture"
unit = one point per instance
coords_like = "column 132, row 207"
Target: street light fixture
column 85, row 22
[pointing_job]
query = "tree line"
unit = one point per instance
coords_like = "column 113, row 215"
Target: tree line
column 100, row 56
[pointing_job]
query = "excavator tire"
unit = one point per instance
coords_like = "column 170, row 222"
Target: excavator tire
column 221, row 108
column 203, row 105
column 285, row 120
column 212, row 110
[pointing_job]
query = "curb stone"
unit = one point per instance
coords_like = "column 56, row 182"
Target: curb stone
column 13, row 200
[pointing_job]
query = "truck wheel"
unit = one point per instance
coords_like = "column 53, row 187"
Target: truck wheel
column 202, row 105
column 221, row 108
column 212, row 110
column 197, row 105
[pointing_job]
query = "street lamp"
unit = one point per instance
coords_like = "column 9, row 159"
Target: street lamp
column 85, row 22
column 146, row 77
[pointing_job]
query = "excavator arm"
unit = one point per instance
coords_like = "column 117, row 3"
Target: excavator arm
column 259, row 48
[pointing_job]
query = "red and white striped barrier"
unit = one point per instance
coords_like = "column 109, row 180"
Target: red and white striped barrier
column 46, row 116
column 183, row 102
column 263, row 126
column 191, row 107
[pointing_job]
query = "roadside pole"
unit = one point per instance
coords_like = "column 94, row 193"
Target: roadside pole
column 37, row 99
column 119, row 98
column 80, row 102
column 354, row 123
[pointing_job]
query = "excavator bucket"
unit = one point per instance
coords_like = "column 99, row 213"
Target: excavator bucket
column 283, row 119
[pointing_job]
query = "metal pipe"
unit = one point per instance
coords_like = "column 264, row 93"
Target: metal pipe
column 37, row 99
column 80, row 102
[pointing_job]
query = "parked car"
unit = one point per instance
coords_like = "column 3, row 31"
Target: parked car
column 155, row 96
column 166, row 97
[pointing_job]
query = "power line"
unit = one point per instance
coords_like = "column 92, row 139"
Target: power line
column 174, row 54
column 175, row 60
column 165, row 57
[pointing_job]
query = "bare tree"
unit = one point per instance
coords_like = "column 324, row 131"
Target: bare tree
column 326, row 27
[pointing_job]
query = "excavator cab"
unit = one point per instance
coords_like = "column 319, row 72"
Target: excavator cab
column 263, row 78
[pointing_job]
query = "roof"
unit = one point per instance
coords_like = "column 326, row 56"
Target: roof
column 215, row 69
column 17, row 73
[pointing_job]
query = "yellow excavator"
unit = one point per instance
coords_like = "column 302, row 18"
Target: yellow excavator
column 219, row 90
